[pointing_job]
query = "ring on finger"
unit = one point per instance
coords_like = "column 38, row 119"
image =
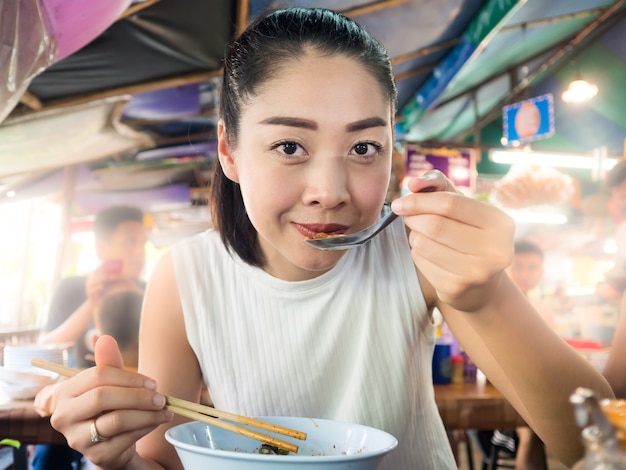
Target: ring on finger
column 95, row 435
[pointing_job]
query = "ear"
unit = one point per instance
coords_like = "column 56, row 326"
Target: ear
column 225, row 154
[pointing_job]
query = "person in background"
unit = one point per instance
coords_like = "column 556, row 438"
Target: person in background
column 614, row 286
column 526, row 271
column 120, row 238
column 118, row 315
column 615, row 183
column 615, row 279
column 277, row 327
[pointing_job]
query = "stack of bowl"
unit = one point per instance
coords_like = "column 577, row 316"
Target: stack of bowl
column 21, row 381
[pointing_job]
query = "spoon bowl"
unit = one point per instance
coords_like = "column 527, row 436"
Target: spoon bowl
column 342, row 242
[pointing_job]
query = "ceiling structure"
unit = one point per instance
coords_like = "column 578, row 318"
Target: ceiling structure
column 132, row 113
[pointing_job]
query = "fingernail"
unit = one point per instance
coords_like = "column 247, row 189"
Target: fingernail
column 150, row 384
column 397, row 205
column 159, row 400
column 429, row 175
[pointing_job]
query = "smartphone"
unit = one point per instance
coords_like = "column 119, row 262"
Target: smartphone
column 112, row 267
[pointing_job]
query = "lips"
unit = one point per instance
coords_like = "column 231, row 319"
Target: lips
column 310, row 230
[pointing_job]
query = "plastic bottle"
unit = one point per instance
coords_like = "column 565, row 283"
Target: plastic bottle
column 442, row 364
column 469, row 370
column 458, row 372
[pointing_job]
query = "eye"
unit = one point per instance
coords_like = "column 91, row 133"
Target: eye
column 289, row 148
column 361, row 149
column 366, row 150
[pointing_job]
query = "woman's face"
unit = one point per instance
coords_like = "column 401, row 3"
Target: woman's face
column 314, row 155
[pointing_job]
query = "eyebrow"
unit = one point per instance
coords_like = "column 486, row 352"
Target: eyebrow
column 312, row 125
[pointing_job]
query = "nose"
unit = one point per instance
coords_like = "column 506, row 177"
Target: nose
column 327, row 183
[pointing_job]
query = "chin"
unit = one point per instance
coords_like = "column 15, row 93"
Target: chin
column 322, row 261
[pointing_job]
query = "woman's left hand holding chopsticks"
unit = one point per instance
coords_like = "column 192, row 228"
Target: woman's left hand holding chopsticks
column 104, row 410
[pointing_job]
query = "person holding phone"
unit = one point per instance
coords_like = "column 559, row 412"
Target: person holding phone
column 120, row 238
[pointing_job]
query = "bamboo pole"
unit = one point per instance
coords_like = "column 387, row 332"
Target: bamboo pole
column 67, row 200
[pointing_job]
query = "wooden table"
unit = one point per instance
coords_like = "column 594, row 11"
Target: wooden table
column 475, row 406
column 462, row 406
column 20, row 421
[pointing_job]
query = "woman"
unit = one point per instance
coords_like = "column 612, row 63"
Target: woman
column 276, row 327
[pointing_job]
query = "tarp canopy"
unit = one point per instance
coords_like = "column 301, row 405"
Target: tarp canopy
column 149, row 78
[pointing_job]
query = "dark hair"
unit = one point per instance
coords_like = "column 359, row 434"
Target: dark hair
column 616, row 175
column 256, row 57
column 119, row 314
column 109, row 219
column 525, row 246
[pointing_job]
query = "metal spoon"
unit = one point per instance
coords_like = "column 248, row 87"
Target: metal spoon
column 342, row 242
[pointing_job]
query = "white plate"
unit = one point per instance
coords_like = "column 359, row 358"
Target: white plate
column 20, row 392
column 24, row 384
column 27, row 377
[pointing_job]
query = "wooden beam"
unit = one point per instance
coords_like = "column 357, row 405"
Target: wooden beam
column 426, row 51
column 413, row 72
column 554, row 19
column 131, row 10
column 161, row 84
column 68, row 195
column 242, row 12
column 373, row 7
column 30, row 100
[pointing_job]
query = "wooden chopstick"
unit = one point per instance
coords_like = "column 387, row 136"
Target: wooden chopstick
column 205, row 414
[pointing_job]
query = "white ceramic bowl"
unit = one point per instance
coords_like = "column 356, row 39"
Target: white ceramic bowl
column 330, row 445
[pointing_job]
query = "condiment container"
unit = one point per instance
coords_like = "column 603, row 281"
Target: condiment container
column 458, row 364
column 442, row 365
column 605, row 448
column 469, row 370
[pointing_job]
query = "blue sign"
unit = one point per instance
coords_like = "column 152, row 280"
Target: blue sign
column 528, row 120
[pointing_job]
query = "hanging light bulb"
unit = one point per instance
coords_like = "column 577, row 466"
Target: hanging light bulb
column 579, row 90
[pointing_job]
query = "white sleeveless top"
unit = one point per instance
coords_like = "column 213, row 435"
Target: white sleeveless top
column 354, row 344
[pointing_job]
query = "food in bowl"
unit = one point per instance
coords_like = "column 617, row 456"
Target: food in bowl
column 330, row 445
column 615, row 410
